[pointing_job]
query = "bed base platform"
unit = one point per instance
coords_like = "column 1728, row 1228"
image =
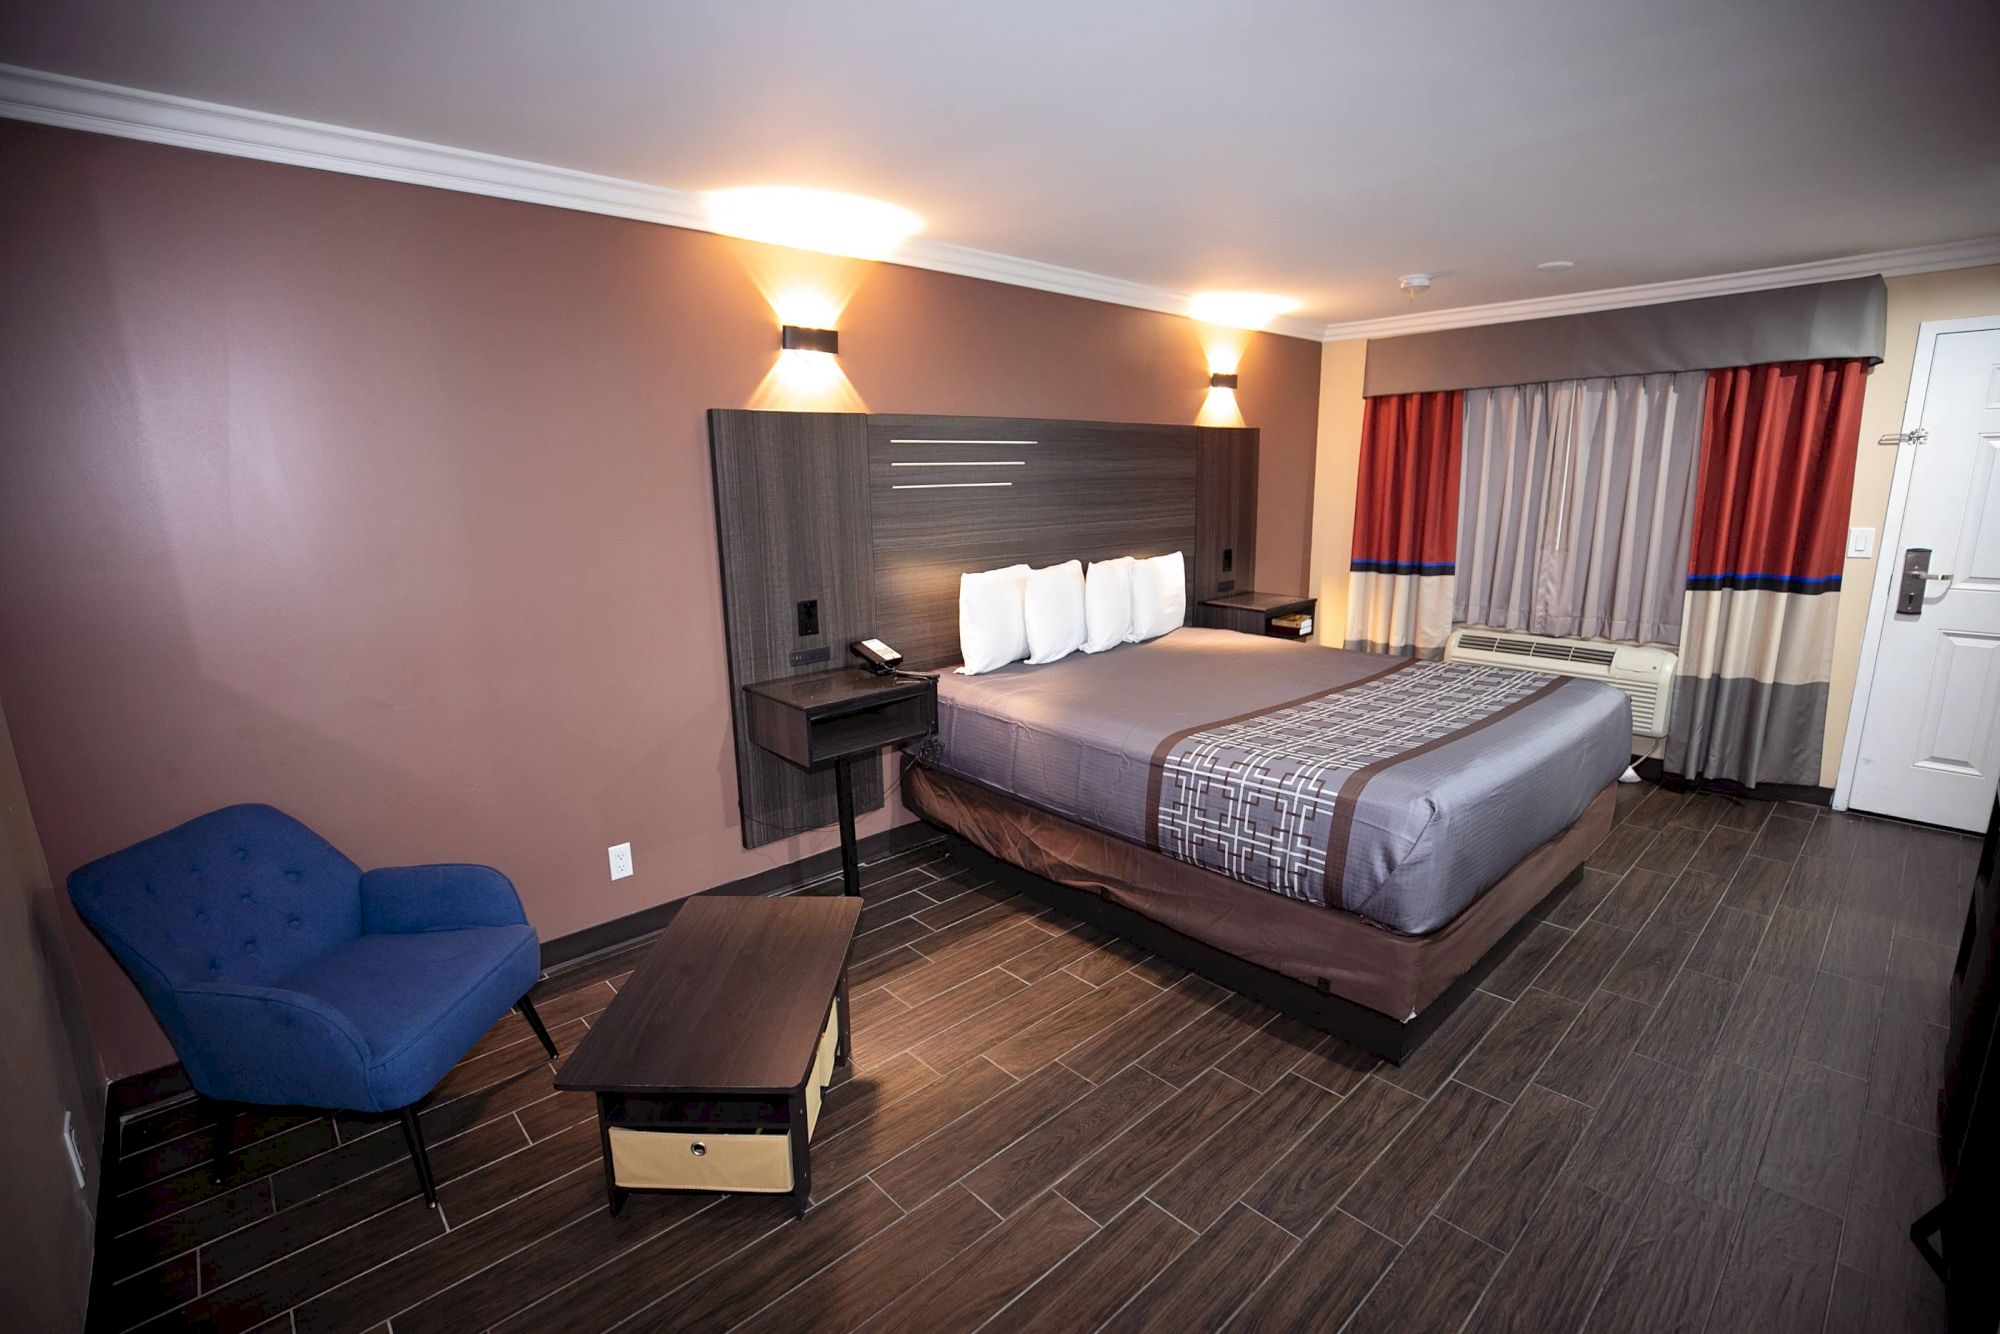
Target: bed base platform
column 1370, row 1030
column 1326, row 968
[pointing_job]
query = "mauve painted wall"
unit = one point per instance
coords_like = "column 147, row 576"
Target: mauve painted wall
column 391, row 506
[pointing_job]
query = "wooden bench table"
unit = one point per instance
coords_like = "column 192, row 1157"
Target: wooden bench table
column 710, row 1063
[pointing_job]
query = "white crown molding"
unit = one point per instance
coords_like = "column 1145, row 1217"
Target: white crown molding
column 134, row 113
column 1888, row 263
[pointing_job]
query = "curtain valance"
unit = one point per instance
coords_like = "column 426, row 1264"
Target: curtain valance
column 1816, row 322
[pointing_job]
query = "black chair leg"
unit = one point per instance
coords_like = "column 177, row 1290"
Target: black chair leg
column 527, row 1009
column 222, row 1119
column 413, row 1135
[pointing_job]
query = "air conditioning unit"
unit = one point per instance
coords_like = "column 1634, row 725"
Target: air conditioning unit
column 1646, row 674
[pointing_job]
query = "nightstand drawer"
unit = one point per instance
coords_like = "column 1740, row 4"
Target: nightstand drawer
column 675, row 1160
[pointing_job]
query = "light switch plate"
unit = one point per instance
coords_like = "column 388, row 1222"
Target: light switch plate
column 621, row 861
column 1861, row 542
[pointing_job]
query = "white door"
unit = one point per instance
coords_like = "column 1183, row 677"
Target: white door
column 1930, row 738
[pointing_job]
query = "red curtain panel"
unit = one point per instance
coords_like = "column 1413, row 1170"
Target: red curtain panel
column 1770, row 524
column 1405, row 524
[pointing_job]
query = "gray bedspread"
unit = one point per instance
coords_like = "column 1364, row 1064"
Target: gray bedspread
column 1396, row 789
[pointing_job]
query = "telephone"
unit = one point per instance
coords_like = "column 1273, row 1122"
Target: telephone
column 878, row 656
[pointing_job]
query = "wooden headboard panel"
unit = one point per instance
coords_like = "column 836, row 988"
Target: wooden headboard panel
column 875, row 516
column 952, row 494
column 791, row 512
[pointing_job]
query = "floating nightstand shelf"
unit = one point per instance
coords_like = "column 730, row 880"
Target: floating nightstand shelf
column 831, row 719
column 1278, row 615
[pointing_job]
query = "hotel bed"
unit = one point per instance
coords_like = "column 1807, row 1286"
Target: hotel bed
column 1367, row 826
column 1343, row 837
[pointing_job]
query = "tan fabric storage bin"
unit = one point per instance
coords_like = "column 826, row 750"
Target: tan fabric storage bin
column 670, row 1160
column 721, row 1160
column 829, row 1042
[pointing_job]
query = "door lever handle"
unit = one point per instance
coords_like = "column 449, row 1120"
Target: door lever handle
column 1916, row 577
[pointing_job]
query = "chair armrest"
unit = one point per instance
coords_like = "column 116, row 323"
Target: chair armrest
column 448, row 897
column 275, row 1046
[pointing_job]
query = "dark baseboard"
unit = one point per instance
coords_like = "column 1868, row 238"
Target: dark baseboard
column 125, row 1096
column 1654, row 772
column 165, row 1086
column 153, row 1090
column 770, row 881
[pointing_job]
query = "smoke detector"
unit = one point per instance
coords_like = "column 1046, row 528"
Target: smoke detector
column 1415, row 284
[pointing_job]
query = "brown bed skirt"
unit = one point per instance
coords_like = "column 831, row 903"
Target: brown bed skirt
column 1329, row 949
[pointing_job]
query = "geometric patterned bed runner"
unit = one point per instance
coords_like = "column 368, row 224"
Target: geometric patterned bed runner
column 1269, row 798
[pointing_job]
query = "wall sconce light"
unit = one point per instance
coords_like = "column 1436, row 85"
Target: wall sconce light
column 1219, row 380
column 798, row 338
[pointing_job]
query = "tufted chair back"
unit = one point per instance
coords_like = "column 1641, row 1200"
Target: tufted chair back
column 241, row 896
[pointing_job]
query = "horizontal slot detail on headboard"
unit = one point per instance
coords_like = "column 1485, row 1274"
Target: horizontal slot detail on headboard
column 924, row 462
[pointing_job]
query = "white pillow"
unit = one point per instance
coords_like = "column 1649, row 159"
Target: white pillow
column 1054, row 611
column 1159, row 596
column 992, row 624
column 1107, row 604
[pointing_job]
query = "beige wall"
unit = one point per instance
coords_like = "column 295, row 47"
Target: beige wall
column 1954, row 294
column 1334, row 475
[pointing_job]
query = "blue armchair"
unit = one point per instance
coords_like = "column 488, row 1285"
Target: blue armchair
column 285, row 975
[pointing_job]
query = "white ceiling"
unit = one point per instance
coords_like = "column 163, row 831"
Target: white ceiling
column 1315, row 149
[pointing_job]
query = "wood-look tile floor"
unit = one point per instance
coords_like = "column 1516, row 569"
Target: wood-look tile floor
column 1698, row 1093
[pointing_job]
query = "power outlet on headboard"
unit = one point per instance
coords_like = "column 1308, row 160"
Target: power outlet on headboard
column 808, row 618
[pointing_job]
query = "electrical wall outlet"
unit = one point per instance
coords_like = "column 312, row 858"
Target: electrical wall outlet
column 621, row 861
column 70, row 1146
column 1861, row 542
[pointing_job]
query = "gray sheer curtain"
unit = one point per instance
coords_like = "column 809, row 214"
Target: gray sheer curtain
column 1576, row 506
column 1510, row 437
